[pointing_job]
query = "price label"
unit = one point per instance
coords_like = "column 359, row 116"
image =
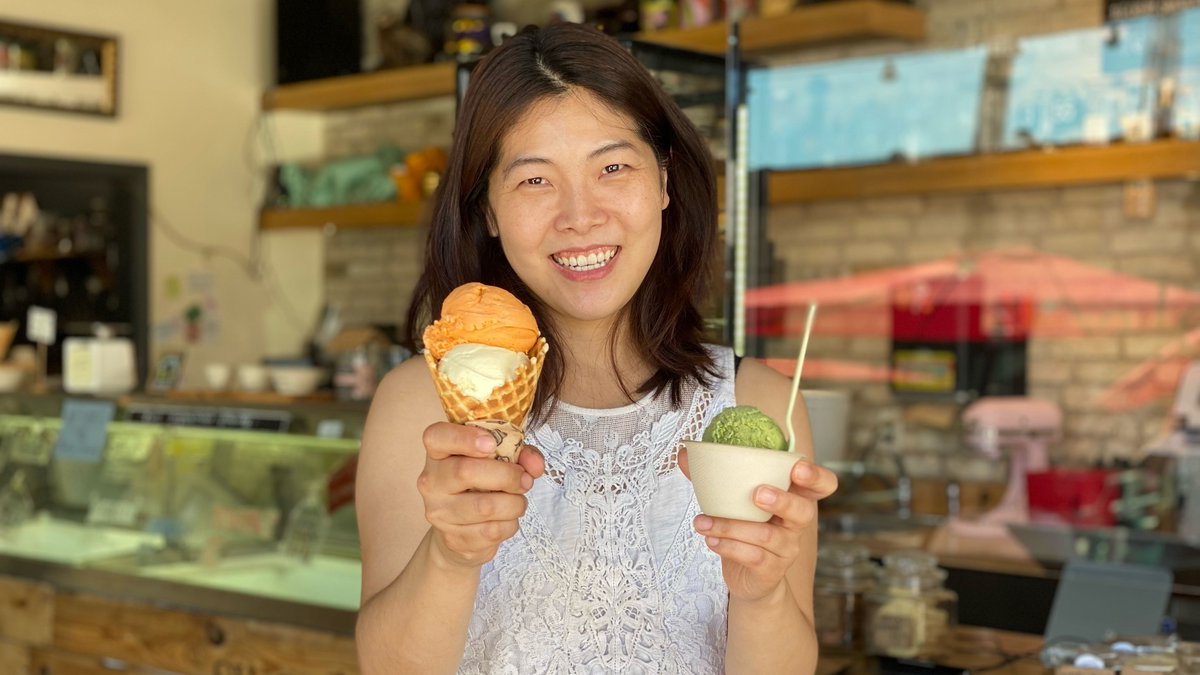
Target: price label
column 84, row 430
column 41, row 325
column 330, row 429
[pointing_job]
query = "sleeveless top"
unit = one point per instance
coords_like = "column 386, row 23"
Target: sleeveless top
column 607, row 573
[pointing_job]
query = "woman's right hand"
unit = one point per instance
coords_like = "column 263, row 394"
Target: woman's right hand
column 472, row 500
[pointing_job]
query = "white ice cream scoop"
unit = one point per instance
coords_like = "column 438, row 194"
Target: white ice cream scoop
column 478, row 369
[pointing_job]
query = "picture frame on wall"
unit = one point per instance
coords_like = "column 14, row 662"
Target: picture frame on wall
column 168, row 371
column 56, row 69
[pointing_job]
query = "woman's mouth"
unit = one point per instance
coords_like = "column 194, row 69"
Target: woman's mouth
column 586, row 261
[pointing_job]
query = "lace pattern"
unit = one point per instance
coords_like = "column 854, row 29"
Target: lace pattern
column 606, row 574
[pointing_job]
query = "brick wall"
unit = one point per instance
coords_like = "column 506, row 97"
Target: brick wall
column 1086, row 224
column 371, row 272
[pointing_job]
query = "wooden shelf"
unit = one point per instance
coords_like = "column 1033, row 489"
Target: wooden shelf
column 389, row 214
column 840, row 21
column 1003, row 171
column 32, row 255
column 351, row 91
column 812, row 25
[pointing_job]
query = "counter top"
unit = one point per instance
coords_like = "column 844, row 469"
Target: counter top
column 969, row 648
column 128, row 586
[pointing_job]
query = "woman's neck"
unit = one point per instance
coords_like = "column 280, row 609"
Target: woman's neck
column 590, row 380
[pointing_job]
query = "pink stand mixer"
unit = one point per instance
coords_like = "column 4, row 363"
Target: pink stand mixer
column 1021, row 428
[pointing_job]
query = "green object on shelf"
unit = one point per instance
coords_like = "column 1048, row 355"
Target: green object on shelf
column 353, row 180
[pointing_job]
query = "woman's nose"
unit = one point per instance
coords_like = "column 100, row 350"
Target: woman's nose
column 581, row 210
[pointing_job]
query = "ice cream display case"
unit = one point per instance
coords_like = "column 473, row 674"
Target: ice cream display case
column 248, row 522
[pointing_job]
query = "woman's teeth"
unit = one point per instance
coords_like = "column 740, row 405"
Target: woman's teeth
column 583, row 263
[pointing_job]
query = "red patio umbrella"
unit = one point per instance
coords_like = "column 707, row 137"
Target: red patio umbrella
column 1014, row 290
column 1154, row 378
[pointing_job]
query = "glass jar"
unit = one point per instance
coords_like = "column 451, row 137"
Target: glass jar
column 468, row 31
column 910, row 611
column 844, row 576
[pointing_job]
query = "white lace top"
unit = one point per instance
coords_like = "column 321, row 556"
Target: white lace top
column 607, row 574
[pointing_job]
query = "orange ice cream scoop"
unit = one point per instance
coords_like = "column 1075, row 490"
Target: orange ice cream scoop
column 486, row 315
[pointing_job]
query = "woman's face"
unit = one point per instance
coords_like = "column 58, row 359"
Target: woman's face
column 577, row 199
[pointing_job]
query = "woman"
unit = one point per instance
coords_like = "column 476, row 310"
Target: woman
column 579, row 186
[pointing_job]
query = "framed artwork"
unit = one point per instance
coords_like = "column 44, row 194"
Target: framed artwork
column 54, row 69
column 167, row 372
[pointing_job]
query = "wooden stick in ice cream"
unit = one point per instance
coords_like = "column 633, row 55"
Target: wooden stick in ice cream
column 485, row 354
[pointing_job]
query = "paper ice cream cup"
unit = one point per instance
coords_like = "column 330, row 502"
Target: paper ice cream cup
column 724, row 477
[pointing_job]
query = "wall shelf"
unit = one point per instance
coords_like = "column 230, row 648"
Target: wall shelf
column 844, row 20
column 351, row 91
column 1002, row 171
column 389, row 214
column 841, row 21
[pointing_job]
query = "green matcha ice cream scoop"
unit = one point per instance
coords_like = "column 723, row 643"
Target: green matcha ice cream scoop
column 745, row 426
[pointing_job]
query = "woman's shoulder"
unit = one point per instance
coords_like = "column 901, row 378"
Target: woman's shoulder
column 763, row 387
column 406, row 399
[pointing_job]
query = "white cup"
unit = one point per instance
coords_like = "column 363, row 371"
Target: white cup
column 217, row 376
column 829, row 419
column 724, row 477
column 252, row 377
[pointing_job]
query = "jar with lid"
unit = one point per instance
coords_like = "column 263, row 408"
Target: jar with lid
column 910, row 611
column 844, row 577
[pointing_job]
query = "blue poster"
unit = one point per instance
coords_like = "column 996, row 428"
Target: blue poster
column 1093, row 86
column 1185, row 115
column 865, row 111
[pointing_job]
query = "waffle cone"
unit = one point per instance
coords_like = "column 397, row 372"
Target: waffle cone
column 509, row 403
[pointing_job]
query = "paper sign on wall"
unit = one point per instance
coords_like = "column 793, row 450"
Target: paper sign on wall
column 41, row 325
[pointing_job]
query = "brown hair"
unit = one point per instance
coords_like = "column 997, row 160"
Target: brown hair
column 664, row 319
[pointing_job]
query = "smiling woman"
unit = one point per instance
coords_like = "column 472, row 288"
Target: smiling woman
column 576, row 184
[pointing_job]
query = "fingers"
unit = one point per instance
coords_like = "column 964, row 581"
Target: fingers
column 683, row 464
column 532, row 461
column 444, row 439
column 776, row 538
column 813, row 481
column 477, row 543
column 455, row 475
column 474, row 508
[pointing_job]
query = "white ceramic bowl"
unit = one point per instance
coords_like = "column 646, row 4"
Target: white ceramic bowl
column 10, row 377
column 725, row 477
column 296, row 380
column 251, row 377
column 217, row 376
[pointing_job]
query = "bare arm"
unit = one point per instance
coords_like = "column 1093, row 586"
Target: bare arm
column 414, row 471
column 769, row 566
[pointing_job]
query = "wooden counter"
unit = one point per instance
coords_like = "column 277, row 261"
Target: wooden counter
column 50, row 631
column 970, row 648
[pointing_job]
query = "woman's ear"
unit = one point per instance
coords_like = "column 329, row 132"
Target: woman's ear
column 492, row 229
column 666, row 198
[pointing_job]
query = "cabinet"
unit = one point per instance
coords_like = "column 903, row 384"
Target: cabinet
column 190, row 550
column 86, row 256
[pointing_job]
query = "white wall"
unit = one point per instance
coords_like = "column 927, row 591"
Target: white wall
column 191, row 76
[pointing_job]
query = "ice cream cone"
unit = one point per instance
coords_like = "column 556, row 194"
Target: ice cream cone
column 504, row 412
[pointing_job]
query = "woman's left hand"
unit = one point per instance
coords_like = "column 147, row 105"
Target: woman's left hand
column 756, row 556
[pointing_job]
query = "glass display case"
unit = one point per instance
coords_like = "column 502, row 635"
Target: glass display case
column 259, row 514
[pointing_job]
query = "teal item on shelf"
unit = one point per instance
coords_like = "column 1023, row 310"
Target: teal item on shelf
column 353, row 180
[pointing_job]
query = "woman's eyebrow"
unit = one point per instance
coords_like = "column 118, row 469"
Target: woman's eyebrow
column 523, row 161
column 526, row 160
column 609, row 147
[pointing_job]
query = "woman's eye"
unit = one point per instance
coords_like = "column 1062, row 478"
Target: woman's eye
column 612, row 168
column 536, row 180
